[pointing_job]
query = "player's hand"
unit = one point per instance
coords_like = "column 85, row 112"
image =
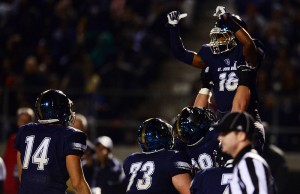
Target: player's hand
column 174, row 17
column 225, row 17
column 220, row 10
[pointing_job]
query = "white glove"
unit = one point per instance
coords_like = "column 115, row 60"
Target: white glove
column 220, row 10
column 174, row 17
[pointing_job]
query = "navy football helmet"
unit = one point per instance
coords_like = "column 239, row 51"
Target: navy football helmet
column 53, row 106
column 155, row 134
column 193, row 123
column 221, row 38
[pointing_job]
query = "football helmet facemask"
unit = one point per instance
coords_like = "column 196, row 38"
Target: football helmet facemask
column 221, row 40
column 155, row 134
column 193, row 123
column 53, row 106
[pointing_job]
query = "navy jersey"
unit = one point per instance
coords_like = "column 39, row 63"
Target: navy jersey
column 212, row 180
column 221, row 70
column 43, row 151
column 202, row 153
column 152, row 173
column 179, row 145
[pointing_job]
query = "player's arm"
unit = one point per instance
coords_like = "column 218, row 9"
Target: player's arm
column 241, row 99
column 242, row 95
column 177, row 47
column 249, row 48
column 76, row 175
column 182, row 183
column 202, row 99
column 20, row 167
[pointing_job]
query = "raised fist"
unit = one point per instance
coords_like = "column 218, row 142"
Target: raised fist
column 226, row 16
column 228, row 20
column 174, row 17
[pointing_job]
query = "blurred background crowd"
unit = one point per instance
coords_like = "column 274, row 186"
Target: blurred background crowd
column 101, row 53
column 104, row 54
column 276, row 23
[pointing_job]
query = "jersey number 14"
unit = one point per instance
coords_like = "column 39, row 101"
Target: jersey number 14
column 40, row 155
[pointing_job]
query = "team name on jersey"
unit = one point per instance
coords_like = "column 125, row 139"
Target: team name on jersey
column 228, row 68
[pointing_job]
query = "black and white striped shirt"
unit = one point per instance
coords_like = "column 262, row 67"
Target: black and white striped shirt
column 251, row 174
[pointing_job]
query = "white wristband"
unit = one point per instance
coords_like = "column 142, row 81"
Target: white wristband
column 204, row 91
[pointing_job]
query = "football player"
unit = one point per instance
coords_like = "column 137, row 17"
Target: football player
column 214, row 180
column 193, row 127
column 212, row 168
column 229, row 64
column 157, row 169
column 49, row 151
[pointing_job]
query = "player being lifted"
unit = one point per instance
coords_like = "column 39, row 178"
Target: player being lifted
column 229, row 64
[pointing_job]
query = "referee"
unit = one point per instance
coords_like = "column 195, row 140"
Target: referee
column 251, row 173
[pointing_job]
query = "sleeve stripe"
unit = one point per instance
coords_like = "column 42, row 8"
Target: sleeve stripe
column 183, row 165
column 78, row 146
